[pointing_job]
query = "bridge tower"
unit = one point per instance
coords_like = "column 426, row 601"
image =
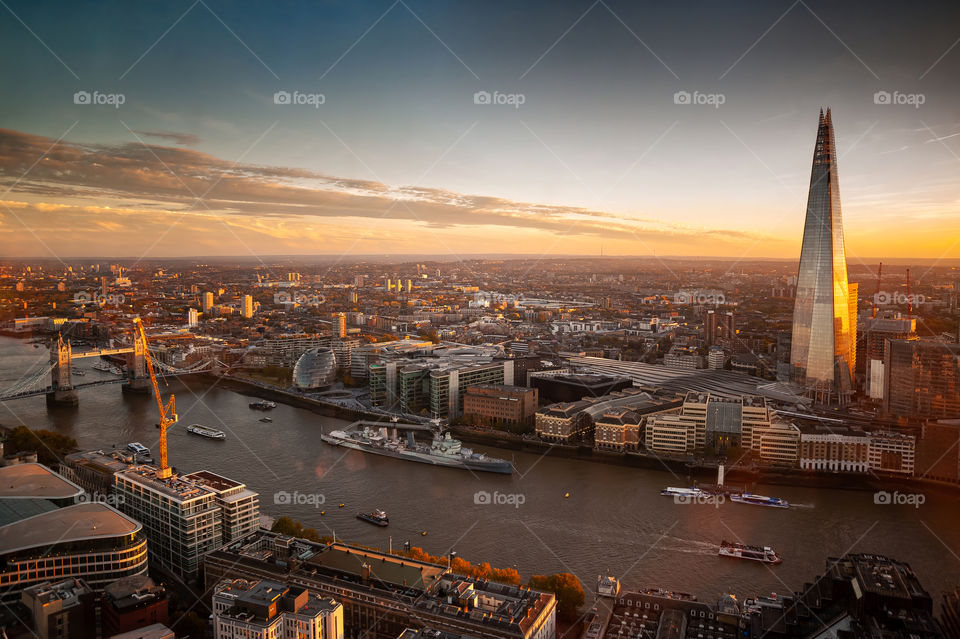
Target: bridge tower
column 62, row 379
column 138, row 380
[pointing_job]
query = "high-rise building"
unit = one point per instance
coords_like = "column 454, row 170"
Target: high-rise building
column 340, row 325
column 247, row 310
column 921, row 379
column 192, row 317
column 879, row 330
column 207, row 301
column 823, row 354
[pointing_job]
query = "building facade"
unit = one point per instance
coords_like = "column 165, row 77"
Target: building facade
column 823, row 354
column 500, row 406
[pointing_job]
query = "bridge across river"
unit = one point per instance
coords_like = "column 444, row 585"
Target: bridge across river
column 56, row 380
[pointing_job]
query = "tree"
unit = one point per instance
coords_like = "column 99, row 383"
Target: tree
column 49, row 446
column 566, row 587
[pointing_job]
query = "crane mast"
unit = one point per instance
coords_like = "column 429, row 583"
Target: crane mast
column 168, row 415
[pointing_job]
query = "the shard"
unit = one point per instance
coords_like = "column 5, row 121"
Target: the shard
column 823, row 350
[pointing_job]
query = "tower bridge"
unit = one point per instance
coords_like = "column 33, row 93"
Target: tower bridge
column 56, row 380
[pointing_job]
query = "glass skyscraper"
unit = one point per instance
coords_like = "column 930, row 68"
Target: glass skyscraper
column 823, row 350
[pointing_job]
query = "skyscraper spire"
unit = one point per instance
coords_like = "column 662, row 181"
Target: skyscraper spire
column 823, row 347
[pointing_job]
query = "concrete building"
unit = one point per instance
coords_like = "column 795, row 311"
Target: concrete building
column 834, row 449
column 246, row 311
column 559, row 387
column 778, row 443
column 501, row 406
column 207, row 302
column 270, row 610
column 239, row 506
column 922, row 379
column 384, row 594
column 62, row 610
column 892, row 453
column 707, row 420
column 879, row 330
column 193, row 318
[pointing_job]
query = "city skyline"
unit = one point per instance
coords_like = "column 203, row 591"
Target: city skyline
column 601, row 134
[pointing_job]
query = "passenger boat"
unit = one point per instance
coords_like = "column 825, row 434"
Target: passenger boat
column 759, row 500
column 265, row 420
column 377, row 518
column 138, row 449
column 672, row 491
column 206, row 431
column 263, row 404
column 764, row 554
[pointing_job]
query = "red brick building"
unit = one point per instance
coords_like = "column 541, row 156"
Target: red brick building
column 499, row 406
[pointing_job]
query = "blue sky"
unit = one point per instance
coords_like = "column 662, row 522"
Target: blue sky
column 599, row 134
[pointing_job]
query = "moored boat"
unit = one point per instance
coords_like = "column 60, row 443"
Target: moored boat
column 206, row 431
column 377, row 518
column 673, row 491
column 263, row 404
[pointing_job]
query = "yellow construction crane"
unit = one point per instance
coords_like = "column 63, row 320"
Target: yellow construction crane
column 168, row 415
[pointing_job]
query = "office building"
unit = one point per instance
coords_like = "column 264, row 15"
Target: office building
column 45, row 535
column 448, row 385
column 511, row 407
column 62, row 610
column 834, row 449
column 879, row 330
column 922, row 379
column 823, row 354
column 563, row 421
column 617, row 429
column 571, row 387
column 707, row 420
column 132, row 603
column 384, row 594
column 777, row 444
column 893, row 453
column 316, row 369
column 91, row 541
column 270, row 610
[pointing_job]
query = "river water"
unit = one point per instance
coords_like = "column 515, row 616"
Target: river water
column 575, row 516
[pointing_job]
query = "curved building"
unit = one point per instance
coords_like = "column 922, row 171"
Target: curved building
column 88, row 540
column 316, row 368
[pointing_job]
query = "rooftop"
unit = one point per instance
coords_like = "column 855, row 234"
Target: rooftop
column 177, row 487
column 26, row 481
column 390, row 569
column 80, row 522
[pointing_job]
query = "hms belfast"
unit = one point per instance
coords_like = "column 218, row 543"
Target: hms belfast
column 823, row 350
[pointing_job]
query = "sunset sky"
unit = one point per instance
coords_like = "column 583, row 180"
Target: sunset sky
column 398, row 159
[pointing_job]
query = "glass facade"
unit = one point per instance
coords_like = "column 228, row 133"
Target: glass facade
column 317, row 368
column 823, row 354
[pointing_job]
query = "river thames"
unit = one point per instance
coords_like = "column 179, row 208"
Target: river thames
column 559, row 514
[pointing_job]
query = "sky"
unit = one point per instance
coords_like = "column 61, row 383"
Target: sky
column 205, row 127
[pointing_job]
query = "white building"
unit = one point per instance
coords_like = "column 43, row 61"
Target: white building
column 892, row 453
column 193, row 318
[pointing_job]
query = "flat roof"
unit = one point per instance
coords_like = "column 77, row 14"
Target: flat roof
column 73, row 523
column 179, row 487
column 30, row 481
column 391, row 569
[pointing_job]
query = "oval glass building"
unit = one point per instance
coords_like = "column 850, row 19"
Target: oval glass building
column 316, row 368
